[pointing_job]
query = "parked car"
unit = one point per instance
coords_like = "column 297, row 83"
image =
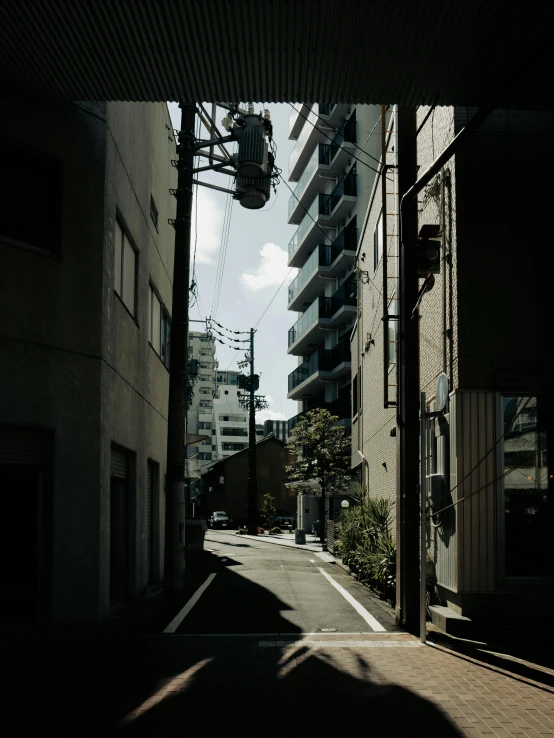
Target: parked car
column 220, row 519
column 283, row 519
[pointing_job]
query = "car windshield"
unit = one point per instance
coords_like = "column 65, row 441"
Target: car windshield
column 220, row 515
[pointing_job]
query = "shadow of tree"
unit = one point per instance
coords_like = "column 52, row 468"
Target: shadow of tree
column 93, row 688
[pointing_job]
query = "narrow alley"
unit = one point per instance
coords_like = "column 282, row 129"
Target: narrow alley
column 279, row 638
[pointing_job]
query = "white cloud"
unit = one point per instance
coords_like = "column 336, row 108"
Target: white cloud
column 271, row 271
column 210, row 221
column 269, row 414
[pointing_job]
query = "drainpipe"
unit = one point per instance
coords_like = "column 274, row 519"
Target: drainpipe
column 408, row 595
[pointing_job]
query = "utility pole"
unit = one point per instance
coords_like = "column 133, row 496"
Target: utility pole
column 178, row 360
column 253, row 169
column 407, row 436
column 252, row 488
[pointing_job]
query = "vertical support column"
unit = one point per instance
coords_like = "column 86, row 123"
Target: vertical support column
column 178, row 367
column 423, row 520
column 252, row 487
column 407, row 478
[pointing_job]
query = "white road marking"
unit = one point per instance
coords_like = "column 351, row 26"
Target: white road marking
column 360, row 609
column 312, row 561
column 178, row 619
column 324, row 556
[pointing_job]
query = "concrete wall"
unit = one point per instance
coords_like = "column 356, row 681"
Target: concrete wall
column 72, row 358
column 135, row 382
column 50, row 337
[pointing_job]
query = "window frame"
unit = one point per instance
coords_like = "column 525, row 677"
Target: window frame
column 154, row 213
column 120, row 223
column 163, row 351
column 503, row 579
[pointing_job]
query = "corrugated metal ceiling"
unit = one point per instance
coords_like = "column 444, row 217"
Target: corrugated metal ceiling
column 401, row 51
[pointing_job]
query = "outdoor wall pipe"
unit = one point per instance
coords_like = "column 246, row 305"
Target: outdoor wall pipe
column 409, row 597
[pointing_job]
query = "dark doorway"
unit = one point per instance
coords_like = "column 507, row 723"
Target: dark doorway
column 21, row 546
column 119, row 541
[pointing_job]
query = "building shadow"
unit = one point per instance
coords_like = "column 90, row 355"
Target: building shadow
column 212, row 682
column 507, row 656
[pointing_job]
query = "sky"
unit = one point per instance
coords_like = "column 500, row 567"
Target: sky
column 255, row 264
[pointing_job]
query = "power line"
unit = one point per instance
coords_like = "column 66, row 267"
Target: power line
column 331, row 140
column 471, row 471
column 274, row 296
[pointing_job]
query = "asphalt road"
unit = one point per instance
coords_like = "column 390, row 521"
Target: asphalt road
column 260, row 588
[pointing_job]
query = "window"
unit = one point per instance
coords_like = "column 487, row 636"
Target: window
column 30, row 198
column 527, row 507
column 125, row 275
column 225, row 431
column 233, row 446
column 153, row 212
column 355, row 396
column 159, row 326
column 233, row 418
column 204, row 391
column 204, row 426
column 378, row 241
column 205, row 456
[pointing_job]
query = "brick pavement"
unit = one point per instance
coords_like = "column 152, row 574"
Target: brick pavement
column 391, row 682
column 386, row 684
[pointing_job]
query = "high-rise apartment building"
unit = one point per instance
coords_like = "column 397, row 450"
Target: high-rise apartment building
column 332, row 165
column 202, row 365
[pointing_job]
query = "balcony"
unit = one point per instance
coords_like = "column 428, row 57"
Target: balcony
column 323, row 314
column 331, row 114
column 306, row 235
column 334, row 207
column 297, row 118
column 308, row 138
column 324, row 365
column 329, row 159
column 327, row 260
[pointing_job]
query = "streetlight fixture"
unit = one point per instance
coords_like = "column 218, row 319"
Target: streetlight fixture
column 345, row 504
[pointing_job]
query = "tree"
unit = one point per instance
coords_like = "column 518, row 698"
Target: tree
column 322, row 454
column 268, row 511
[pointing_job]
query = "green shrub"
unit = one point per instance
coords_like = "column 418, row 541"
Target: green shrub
column 366, row 543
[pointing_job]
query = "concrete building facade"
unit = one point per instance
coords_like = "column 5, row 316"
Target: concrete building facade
column 199, row 415
column 333, row 166
column 482, row 328
column 87, row 256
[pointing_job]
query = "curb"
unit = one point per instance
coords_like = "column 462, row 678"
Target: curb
column 280, row 542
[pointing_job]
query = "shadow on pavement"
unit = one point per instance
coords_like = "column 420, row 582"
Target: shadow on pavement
column 505, row 656
column 95, row 687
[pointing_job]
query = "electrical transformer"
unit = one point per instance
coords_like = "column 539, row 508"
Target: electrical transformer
column 253, row 193
column 252, row 149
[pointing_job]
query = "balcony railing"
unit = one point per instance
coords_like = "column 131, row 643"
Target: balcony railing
column 323, row 256
column 347, row 186
column 345, row 295
column 322, row 360
column 346, row 132
column 306, row 176
column 306, row 320
column 307, row 130
column 324, row 307
column 306, row 224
